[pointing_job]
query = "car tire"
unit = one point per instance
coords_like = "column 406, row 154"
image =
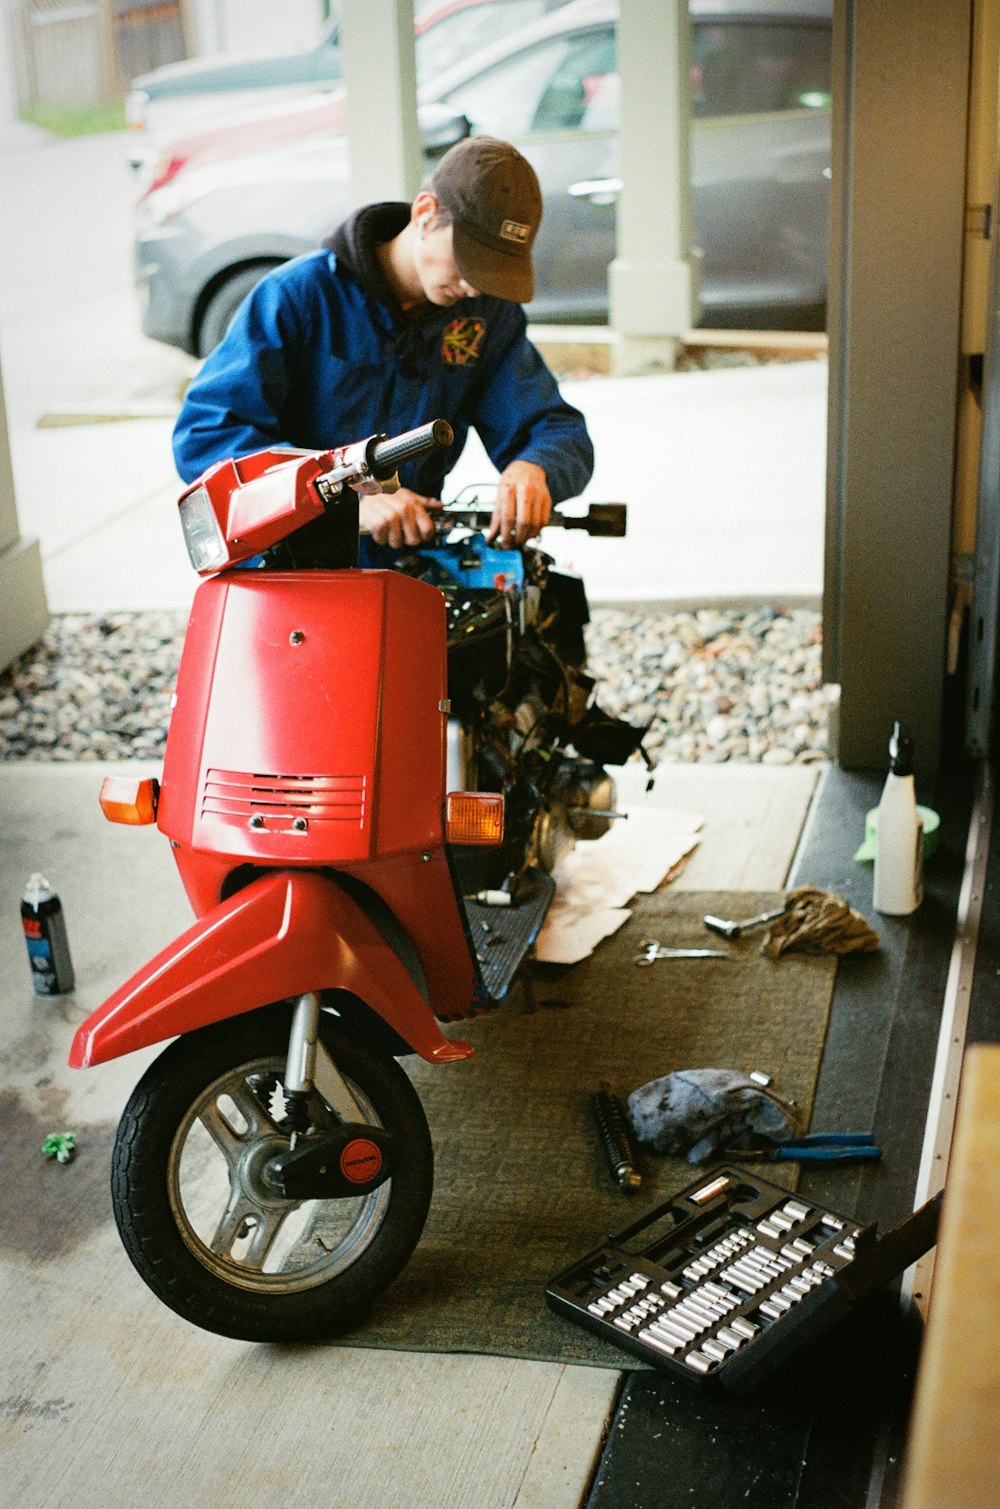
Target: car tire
column 217, row 315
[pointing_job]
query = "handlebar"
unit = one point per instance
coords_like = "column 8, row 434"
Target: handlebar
column 386, row 455
column 366, row 464
column 608, row 519
column 604, row 519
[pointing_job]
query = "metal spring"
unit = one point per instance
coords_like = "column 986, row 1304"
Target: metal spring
column 296, row 1117
column 612, row 1123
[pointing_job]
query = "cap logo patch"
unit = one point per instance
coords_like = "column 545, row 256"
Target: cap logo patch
column 462, row 341
column 513, row 230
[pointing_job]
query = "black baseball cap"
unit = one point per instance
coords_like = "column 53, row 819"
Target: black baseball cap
column 495, row 203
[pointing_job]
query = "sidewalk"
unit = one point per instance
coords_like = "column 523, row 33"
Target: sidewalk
column 722, row 471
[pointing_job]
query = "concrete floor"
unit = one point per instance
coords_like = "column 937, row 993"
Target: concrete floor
column 106, row 1395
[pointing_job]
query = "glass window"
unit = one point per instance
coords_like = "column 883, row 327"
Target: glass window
column 577, row 85
column 742, row 68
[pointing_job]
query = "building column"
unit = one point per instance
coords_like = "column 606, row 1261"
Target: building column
column 901, row 98
column 25, row 613
column 380, row 76
column 8, row 77
column 653, row 281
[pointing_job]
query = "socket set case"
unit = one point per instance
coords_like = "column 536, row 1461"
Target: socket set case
column 740, row 1274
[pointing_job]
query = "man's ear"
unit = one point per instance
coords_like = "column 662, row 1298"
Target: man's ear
column 425, row 205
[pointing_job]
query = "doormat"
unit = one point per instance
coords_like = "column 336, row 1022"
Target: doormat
column 522, row 1186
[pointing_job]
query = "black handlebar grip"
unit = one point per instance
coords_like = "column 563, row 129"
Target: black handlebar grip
column 607, row 519
column 387, row 455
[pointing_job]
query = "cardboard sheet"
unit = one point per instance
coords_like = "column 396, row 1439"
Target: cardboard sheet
column 597, row 880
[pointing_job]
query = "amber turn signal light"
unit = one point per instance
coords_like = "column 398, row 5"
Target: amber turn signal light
column 127, row 800
column 473, row 817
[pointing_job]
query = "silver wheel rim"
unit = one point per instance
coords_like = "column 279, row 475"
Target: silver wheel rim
column 239, row 1229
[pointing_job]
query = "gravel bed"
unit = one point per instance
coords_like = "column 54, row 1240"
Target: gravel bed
column 93, row 688
column 715, row 684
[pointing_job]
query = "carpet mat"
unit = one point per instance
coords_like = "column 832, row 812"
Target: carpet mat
column 521, row 1183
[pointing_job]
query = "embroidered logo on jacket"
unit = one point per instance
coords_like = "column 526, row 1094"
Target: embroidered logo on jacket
column 462, row 342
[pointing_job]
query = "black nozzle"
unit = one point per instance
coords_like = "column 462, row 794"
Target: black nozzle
column 900, row 751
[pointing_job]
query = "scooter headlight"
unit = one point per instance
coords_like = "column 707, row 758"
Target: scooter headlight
column 206, row 545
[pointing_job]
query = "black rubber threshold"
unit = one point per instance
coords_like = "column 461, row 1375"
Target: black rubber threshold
column 984, row 999
column 829, row 1430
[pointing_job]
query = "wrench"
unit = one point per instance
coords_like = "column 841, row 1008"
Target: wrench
column 728, row 928
column 650, row 951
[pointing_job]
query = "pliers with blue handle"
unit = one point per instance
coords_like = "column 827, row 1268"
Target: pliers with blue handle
column 817, row 1147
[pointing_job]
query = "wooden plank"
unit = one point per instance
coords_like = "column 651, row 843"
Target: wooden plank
column 952, row 1456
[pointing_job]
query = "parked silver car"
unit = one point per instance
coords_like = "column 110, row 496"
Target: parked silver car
column 760, row 84
column 178, row 96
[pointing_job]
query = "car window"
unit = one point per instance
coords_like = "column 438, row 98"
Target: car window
column 466, row 32
column 571, row 83
column 565, row 84
column 745, row 68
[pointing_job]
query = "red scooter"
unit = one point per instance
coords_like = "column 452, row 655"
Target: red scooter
column 273, row 1167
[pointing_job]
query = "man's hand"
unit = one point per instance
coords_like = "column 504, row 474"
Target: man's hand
column 399, row 518
column 522, row 506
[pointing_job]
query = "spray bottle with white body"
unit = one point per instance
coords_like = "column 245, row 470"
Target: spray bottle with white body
column 899, row 851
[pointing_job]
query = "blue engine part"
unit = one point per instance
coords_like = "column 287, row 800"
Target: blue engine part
column 471, row 563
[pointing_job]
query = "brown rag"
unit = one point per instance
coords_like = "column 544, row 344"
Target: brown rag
column 818, row 922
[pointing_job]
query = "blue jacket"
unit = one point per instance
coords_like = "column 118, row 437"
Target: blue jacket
column 315, row 359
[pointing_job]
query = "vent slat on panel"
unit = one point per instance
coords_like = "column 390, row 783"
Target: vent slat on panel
column 237, row 795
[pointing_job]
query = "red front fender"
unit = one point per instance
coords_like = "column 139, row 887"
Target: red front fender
column 285, row 934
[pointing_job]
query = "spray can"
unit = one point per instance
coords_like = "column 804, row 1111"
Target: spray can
column 45, row 935
column 899, row 842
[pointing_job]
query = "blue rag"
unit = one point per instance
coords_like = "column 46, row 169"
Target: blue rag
column 693, row 1113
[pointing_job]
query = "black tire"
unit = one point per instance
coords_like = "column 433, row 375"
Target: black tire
column 217, row 316
column 190, row 1204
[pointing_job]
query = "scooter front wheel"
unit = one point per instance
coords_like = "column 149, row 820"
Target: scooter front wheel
column 206, row 1229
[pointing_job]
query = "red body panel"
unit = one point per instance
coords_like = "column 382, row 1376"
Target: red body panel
column 261, row 499
column 286, row 934
column 422, row 896
column 309, row 726
column 308, row 735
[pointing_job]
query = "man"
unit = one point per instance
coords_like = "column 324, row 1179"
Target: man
column 408, row 313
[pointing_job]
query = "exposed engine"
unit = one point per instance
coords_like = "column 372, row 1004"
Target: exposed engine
column 524, row 719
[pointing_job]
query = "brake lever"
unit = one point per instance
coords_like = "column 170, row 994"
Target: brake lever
column 463, row 518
